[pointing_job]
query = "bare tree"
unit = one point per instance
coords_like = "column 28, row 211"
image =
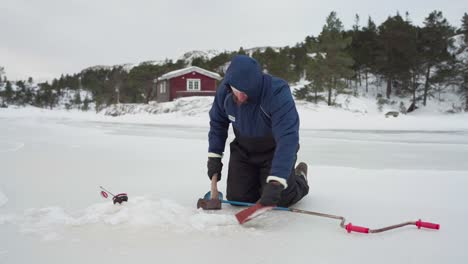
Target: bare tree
column 2, row 73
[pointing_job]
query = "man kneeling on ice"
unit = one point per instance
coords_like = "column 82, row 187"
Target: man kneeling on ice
column 265, row 121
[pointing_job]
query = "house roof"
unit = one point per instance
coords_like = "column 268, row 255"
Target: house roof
column 190, row 69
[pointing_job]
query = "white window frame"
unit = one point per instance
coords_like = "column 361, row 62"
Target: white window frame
column 162, row 88
column 193, row 82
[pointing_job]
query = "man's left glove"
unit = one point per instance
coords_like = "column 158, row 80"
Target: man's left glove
column 271, row 194
column 215, row 166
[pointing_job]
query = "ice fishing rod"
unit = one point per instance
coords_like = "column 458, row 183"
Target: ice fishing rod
column 119, row 198
column 349, row 227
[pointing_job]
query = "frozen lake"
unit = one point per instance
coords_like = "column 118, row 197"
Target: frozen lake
column 51, row 211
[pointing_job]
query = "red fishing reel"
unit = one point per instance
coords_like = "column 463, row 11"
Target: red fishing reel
column 119, row 198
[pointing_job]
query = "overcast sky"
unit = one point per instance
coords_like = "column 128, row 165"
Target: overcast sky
column 45, row 38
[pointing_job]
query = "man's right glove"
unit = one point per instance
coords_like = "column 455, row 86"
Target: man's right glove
column 214, row 167
column 271, row 194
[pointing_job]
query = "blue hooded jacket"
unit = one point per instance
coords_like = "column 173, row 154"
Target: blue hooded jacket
column 270, row 111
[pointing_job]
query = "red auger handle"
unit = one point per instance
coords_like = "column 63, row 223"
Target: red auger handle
column 420, row 224
column 349, row 227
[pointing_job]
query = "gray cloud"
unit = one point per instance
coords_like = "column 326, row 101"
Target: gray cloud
column 46, row 38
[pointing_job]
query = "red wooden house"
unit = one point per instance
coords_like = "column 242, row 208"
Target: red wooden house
column 191, row 81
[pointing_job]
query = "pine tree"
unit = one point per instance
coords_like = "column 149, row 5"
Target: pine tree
column 20, row 95
column 435, row 41
column 47, row 96
column 363, row 49
column 335, row 62
column 241, row 51
column 416, row 69
column 299, row 59
column 219, row 61
column 355, row 48
column 8, row 93
column 368, row 49
column 461, row 64
column 464, row 86
column 140, row 88
column 397, row 52
column 200, row 62
column 302, row 93
column 278, row 63
column 464, row 27
column 2, row 73
column 77, row 99
column 317, row 77
column 86, row 102
column 356, row 25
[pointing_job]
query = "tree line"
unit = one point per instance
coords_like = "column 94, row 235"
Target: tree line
column 410, row 60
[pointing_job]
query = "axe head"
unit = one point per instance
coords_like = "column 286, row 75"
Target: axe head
column 209, row 204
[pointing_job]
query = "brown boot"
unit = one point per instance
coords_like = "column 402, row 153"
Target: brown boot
column 301, row 169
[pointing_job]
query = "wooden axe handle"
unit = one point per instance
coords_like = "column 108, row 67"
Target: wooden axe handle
column 214, row 187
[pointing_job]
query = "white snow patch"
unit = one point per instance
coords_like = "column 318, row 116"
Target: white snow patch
column 251, row 51
column 7, row 219
column 44, row 221
column 188, row 57
column 166, row 215
column 298, row 85
column 10, row 147
column 3, row 199
column 460, row 49
column 211, row 221
column 189, row 69
column 185, row 106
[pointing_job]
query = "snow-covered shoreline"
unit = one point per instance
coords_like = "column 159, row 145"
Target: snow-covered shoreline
column 359, row 114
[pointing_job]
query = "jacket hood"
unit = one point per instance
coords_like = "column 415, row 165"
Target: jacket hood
column 245, row 74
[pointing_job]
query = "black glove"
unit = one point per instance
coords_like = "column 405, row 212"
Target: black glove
column 214, row 167
column 271, row 194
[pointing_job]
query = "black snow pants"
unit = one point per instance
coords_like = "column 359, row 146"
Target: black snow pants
column 250, row 165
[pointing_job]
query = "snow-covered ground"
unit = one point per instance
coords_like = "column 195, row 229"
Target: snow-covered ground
column 373, row 170
column 357, row 113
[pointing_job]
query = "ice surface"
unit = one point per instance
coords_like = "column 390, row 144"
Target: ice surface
column 374, row 171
